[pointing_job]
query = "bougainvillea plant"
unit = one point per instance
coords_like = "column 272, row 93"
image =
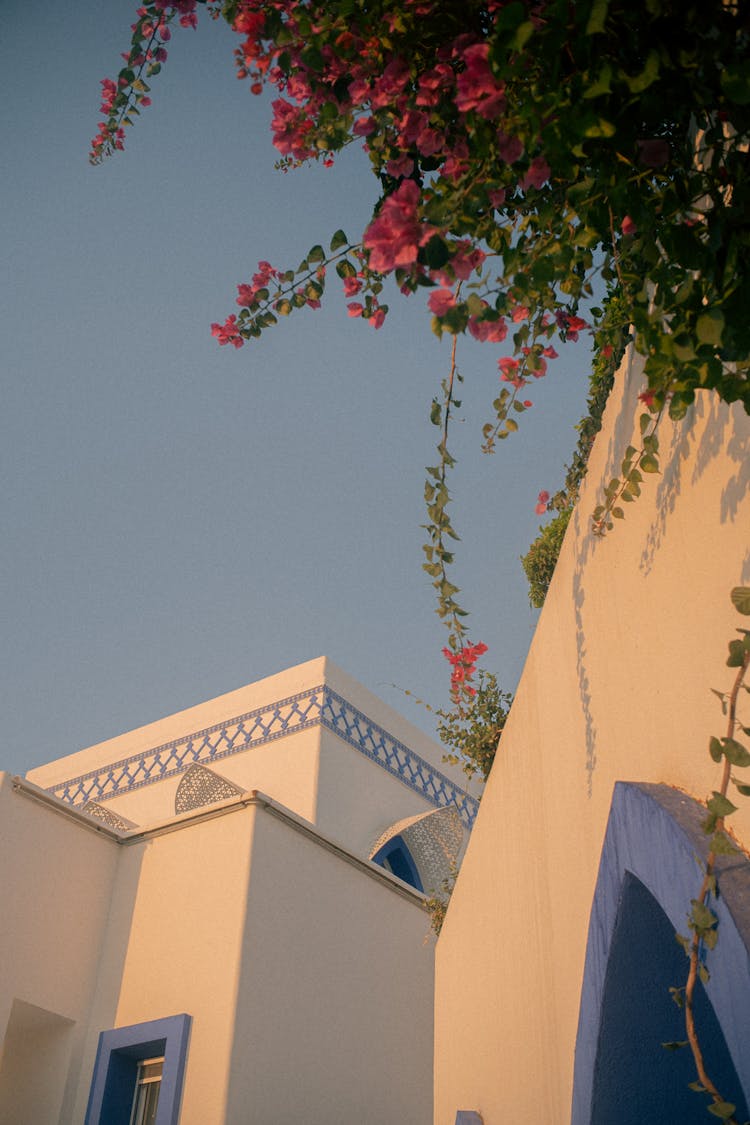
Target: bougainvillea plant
column 524, row 149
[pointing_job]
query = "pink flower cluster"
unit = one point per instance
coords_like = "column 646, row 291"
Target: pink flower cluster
column 463, row 664
column 476, row 86
column 570, row 325
column 150, row 33
column 394, row 237
column 541, row 503
column 228, row 333
column 248, row 294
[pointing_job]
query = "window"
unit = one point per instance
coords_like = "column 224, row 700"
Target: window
column 147, row 1087
column 138, row 1073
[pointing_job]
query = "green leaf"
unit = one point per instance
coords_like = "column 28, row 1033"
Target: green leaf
column 339, row 239
column 735, row 752
column 436, row 252
column 436, row 415
column 701, row 917
column 601, row 85
column 524, row 31
column 648, row 75
column 345, row 268
column 724, row 1110
column 742, row 787
column 720, row 805
column 597, row 17
column 740, row 596
column 715, row 749
column 316, row 254
column 709, row 327
column 735, row 81
column 736, row 656
column 722, row 845
column 649, row 463
column 600, row 128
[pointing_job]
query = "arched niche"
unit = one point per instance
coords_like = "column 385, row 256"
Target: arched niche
column 647, row 876
column 426, row 847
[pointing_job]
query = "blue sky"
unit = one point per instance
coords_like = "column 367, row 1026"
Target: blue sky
column 181, row 519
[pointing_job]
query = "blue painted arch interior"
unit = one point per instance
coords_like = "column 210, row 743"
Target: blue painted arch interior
column 647, row 877
column 395, row 857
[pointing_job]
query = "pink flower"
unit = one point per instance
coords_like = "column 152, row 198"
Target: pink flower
column 647, row 398
column 541, row 503
column 476, row 86
column 537, row 175
column 363, row 126
column 352, row 286
column 463, row 666
column 550, row 352
column 493, row 331
column 290, row 125
column 496, row 198
column 520, row 312
column 228, row 333
column 441, row 300
column 628, row 226
column 510, row 149
column 400, row 166
column 509, row 368
column 246, row 296
column 355, row 308
column 377, row 318
column 466, row 259
column 390, row 84
column 394, row 237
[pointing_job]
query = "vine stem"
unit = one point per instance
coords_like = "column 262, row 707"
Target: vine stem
column 457, row 628
column 705, row 890
column 599, row 522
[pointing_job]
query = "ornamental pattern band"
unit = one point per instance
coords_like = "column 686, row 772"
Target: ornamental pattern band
column 320, row 706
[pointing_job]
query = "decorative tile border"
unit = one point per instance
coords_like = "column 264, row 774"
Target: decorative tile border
column 319, row 706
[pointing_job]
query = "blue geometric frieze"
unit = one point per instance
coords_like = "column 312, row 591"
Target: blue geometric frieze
column 319, row 706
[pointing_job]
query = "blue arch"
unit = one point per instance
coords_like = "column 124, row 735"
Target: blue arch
column 395, row 857
column 648, row 871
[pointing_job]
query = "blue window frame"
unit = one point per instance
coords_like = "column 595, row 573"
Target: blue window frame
column 396, row 858
column 116, row 1067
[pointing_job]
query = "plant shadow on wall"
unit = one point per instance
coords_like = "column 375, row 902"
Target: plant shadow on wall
column 703, row 921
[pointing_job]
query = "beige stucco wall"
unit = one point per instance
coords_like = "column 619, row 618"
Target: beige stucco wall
column 305, row 969
column 334, row 1019
column 616, row 686
column 55, row 889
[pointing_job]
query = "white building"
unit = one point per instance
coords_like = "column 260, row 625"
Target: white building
column 234, row 892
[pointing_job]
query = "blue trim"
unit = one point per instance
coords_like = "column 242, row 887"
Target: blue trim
column 400, row 861
column 653, row 837
column 319, row 706
column 117, row 1058
column 468, row 1117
